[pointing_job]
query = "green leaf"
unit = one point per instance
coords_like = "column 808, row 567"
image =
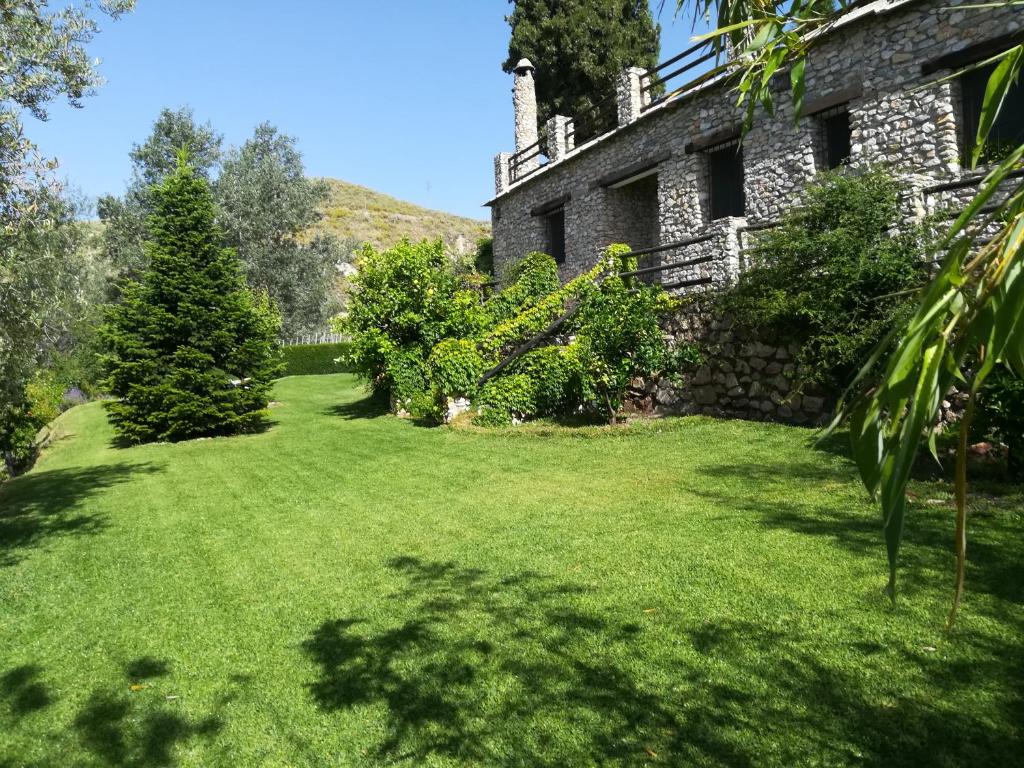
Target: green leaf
column 796, row 79
column 995, row 94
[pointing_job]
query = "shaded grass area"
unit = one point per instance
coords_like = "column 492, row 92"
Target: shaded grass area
column 347, row 588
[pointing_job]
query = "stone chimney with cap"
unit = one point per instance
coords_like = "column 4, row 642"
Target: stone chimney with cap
column 524, row 102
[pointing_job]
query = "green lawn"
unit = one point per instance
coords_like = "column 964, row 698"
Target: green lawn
column 349, row 588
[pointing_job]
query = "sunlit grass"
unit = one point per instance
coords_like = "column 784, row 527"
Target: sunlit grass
column 349, row 588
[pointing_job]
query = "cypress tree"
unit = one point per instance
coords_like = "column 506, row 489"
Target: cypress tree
column 191, row 351
column 579, row 47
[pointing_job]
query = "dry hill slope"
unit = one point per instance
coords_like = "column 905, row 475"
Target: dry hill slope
column 364, row 215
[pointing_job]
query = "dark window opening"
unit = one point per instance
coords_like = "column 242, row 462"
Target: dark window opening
column 725, row 166
column 1007, row 133
column 556, row 235
column 835, row 132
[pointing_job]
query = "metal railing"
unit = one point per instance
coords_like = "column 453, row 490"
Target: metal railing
column 688, row 60
column 524, row 156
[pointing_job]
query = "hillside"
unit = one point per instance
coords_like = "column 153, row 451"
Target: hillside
column 364, row 215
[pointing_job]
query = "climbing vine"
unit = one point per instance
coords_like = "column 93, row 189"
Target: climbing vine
column 424, row 336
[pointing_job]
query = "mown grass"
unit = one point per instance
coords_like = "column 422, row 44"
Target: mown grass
column 348, row 588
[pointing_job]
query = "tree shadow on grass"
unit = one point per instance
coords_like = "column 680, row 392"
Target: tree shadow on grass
column 131, row 723
column 996, row 560
column 369, row 407
column 261, row 424
column 46, row 504
column 518, row 670
column 23, row 692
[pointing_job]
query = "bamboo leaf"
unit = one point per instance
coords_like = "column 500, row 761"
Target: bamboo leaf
column 999, row 83
column 796, row 79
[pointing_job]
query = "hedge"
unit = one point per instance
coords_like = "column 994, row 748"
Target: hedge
column 313, row 359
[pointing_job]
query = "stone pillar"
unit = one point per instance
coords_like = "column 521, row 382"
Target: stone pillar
column 524, row 103
column 560, row 143
column 501, row 172
column 730, row 267
column 631, row 98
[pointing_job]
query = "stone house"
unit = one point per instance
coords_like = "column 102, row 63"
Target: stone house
column 672, row 181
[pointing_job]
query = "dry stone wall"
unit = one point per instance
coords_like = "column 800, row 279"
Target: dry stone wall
column 740, row 376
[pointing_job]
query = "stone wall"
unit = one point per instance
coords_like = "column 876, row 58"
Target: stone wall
column 872, row 61
column 740, row 376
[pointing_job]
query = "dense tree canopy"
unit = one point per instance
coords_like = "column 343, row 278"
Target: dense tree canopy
column 579, row 47
column 266, row 204
column 43, row 58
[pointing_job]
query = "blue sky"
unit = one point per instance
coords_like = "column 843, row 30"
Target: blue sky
column 404, row 96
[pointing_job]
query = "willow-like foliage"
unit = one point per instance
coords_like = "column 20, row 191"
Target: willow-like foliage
column 969, row 317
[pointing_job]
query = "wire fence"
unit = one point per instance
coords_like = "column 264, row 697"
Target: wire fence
column 314, row 338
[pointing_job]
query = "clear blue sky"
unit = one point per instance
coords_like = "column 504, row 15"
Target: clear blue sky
column 404, row 96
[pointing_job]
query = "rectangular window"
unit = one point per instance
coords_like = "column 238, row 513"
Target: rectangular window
column 835, row 135
column 1007, row 132
column 556, row 235
column 725, row 167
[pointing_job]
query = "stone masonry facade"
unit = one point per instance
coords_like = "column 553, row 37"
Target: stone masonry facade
column 871, row 66
column 648, row 182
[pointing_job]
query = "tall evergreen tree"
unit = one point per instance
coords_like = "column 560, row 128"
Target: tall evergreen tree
column 579, row 47
column 191, row 351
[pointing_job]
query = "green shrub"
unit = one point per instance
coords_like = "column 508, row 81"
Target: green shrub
column 191, row 351
column 455, row 366
column 484, row 258
column 420, row 337
column 504, row 336
column 527, row 282
column 403, row 302
column 41, row 403
column 620, row 338
column 505, row 398
column 835, row 277
column 1000, row 415
column 554, row 372
column 314, row 359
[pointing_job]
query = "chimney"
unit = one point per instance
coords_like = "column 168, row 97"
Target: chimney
column 524, row 102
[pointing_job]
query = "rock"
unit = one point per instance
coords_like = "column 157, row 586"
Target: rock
column 456, row 407
column 757, row 363
column 702, row 376
column 706, row 395
column 773, row 368
column 813, row 404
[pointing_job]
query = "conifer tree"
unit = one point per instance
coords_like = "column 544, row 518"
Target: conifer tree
column 191, row 351
column 579, row 48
